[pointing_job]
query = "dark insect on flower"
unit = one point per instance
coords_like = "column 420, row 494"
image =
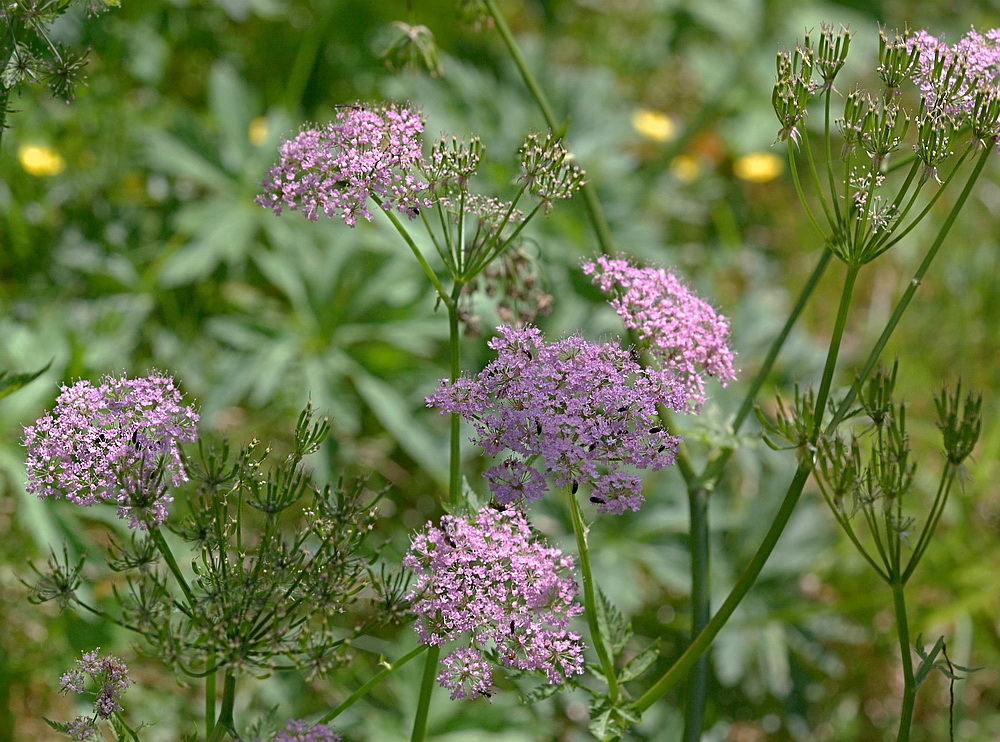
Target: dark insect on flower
column 655, row 429
column 597, row 500
column 486, row 694
column 450, row 541
column 576, row 486
column 538, row 427
column 512, row 626
column 623, row 408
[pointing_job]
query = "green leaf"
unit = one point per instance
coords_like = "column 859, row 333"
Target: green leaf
column 10, row 383
column 540, row 693
column 640, row 663
column 57, row 725
column 614, row 629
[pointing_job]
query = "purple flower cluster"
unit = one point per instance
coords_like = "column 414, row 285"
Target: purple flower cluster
column 81, row 728
column 105, row 443
column 111, row 677
column 334, row 169
column 685, row 334
column 303, row 731
column 486, row 578
column 975, row 61
column 580, row 411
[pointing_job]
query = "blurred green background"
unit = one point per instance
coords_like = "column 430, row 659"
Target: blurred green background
column 129, row 240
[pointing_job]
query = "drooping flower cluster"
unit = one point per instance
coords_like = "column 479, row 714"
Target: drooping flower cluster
column 685, row 334
column 302, row 731
column 486, row 578
column 368, row 152
column 951, row 78
column 111, row 678
column 112, row 443
column 579, row 411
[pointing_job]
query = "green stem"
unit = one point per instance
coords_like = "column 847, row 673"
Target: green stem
column 590, row 201
column 455, row 368
column 168, row 557
column 743, row 584
column 700, row 610
column 225, row 723
column 590, row 596
column 419, row 255
column 210, row 698
column 831, row 357
column 426, row 690
column 381, row 675
column 817, row 184
column 798, row 190
column 703, row 640
column 772, row 354
column 130, row 730
column 907, row 296
column 909, row 682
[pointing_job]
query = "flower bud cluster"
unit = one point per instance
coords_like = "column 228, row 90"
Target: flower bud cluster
column 569, row 411
column 452, row 163
column 897, row 58
column 960, row 424
column 369, row 152
column 792, row 90
column 547, row 169
column 683, row 332
column 487, row 579
column 113, row 443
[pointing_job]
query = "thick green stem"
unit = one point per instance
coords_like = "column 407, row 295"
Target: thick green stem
column 590, row 596
column 700, row 610
column 381, row 675
column 831, row 357
column 699, row 645
column 426, row 690
column 909, row 682
column 743, row 584
column 224, row 724
column 168, row 557
column 126, row 727
column 210, row 698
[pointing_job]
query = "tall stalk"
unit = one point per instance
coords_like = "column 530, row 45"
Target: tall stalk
column 750, row 573
column 909, row 680
column 590, row 596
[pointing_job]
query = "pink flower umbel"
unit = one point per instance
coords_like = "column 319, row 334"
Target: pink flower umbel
column 486, row 579
column 684, row 333
column 369, row 152
column 950, row 78
column 576, row 411
column 112, row 443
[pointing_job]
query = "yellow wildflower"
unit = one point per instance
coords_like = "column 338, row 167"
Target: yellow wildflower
column 685, row 168
column 258, row 131
column 653, row 124
column 40, row 160
column 758, row 167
